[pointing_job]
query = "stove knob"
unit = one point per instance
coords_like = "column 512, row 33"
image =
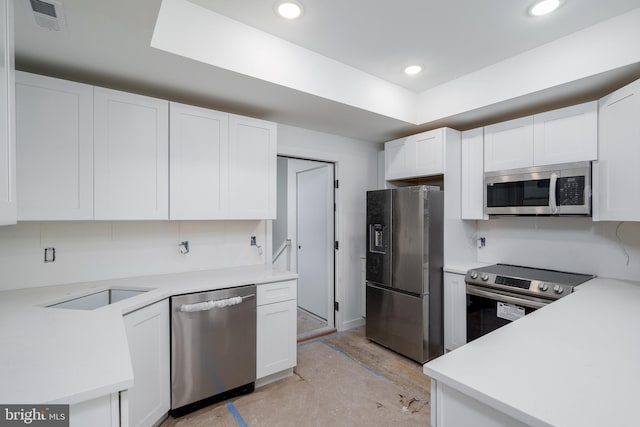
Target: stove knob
column 474, row 275
column 543, row 286
column 558, row 289
column 484, row 277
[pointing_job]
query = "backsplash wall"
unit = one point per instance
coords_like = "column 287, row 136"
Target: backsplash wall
column 95, row 250
column 570, row 244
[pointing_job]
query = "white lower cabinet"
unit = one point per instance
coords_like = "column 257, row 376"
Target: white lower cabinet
column 100, row 412
column 149, row 399
column 455, row 311
column 451, row 408
column 276, row 328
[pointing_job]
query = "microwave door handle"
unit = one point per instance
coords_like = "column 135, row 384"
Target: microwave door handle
column 553, row 205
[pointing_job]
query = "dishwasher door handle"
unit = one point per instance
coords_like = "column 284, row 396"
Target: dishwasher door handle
column 208, row 305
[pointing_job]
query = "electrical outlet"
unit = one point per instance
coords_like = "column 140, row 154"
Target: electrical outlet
column 49, row 254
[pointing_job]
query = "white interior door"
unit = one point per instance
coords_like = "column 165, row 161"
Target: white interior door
column 315, row 239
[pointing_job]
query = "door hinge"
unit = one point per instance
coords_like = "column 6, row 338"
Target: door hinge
column 337, row 246
column 336, row 306
column 336, row 184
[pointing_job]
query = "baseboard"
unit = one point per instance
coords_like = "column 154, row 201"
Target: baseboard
column 350, row 324
column 260, row 382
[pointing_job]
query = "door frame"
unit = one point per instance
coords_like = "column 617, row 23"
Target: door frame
column 335, row 292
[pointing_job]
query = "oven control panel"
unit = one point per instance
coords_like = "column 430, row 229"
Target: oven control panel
column 539, row 288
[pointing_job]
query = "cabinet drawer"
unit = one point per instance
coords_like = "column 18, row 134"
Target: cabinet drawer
column 277, row 292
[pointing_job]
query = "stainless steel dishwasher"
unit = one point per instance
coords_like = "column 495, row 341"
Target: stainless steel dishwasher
column 213, row 346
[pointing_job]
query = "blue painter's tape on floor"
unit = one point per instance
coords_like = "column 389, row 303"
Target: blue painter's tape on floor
column 373, row 371
column 234, row 411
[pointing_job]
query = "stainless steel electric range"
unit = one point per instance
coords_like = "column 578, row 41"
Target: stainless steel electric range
column 501, row 293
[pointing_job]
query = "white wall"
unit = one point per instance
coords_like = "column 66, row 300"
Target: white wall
column 569, row 244
column 356, row 168
column 97, row 250
column 279, row 226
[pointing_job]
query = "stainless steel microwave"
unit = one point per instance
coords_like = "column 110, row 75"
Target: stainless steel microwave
column 563, row 189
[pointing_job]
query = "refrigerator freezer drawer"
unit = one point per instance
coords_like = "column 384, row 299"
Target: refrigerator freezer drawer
column 401, row 322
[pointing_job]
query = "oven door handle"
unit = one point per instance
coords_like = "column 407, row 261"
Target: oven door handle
column 474, row 290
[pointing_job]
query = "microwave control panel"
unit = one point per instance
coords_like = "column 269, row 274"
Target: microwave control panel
column 570, row 191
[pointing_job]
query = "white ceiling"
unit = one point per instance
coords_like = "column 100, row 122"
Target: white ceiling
column 108, row 43
column 448, row 38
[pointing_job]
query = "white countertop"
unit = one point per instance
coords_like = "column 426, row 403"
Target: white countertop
column 463, row 268
column 575, row 362
column 54, row 355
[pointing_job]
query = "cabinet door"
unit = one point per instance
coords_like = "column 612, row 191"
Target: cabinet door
column 8, row 209
column 276, row 338
column 455, row 311
column 251, row 184
column 54, row 125
column 472, row 180
column 100, row 412
column 148, row 336
column 508, row 145
column 199, row 142
column 616, row 175
column 566, row 135
column 425, row 154
column 131, row 136
column 394, row 159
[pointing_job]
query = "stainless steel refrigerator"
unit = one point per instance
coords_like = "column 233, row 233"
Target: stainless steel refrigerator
column 404, row 304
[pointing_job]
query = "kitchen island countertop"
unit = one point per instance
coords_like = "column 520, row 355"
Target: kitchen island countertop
column 575, row 362
column 56, row 355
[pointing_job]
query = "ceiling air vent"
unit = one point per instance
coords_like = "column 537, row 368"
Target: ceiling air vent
column 48, row 14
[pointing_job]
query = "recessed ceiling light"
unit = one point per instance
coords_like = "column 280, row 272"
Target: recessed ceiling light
column 543, row 7
column 412, row 70
column 289, row 9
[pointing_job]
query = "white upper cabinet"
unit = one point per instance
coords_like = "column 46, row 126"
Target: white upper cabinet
column 472, row 179
column 616, row 175
column 508, row 145
column 131, row 149
column 566, row 135
column 415, row 156
column 8, row 208
column 199, row 147
column 251, row 188
column 54, row 124
column 425, row 153
column 394, row 166
column 559, row 136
